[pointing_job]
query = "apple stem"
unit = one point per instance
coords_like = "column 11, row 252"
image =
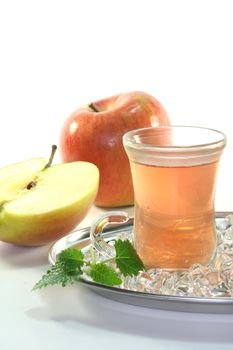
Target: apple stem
column 93, row 107
column 54, row 148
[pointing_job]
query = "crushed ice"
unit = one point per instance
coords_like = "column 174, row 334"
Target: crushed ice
column 213, row 280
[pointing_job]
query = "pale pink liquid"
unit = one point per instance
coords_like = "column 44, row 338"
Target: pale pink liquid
column 174, row 214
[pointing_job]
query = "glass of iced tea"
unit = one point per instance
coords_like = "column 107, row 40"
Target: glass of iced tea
column 174, row 177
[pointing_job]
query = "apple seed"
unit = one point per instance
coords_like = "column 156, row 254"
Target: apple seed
column 31, row 185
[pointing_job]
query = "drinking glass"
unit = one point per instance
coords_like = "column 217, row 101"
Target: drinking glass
column 174, row 177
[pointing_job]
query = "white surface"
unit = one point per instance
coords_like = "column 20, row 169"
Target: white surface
column 58, row 55
column 57, row 318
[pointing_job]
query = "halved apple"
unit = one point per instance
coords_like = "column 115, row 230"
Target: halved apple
column 39, row 204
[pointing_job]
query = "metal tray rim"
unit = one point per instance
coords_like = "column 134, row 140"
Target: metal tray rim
column 82, row 235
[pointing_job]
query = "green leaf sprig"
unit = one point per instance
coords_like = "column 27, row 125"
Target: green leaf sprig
column 71, row 264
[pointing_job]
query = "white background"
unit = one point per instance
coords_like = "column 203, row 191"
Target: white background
column 58, row 55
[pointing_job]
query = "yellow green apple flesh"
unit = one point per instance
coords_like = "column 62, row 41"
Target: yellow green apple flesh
column 39, row 204
column 94, row 134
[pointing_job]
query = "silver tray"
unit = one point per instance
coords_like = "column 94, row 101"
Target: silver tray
column 80, row 239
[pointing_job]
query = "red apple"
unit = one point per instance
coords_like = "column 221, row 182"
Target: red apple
column 94, row 134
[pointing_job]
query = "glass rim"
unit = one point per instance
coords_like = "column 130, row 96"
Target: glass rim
column 128, row 140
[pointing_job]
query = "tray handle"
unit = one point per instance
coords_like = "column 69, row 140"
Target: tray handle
column 113, row 218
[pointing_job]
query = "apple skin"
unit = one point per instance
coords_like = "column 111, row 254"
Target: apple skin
column 43, row 229
column 60, row 199
column 96, row 137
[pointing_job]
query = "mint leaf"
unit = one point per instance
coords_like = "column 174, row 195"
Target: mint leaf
column 68, row 267
column 72, row 259
column 127, row 259
column 57, row 275
column 66, row 270
column 104, row 274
